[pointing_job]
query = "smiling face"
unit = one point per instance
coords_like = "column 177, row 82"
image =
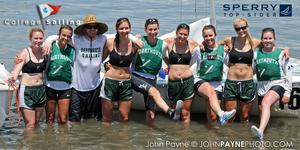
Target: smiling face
column 65, row 36
column 152, row 30
column 209, row 37
column 241, row 28
column 268, row 39
column 37, row 39
column 182, row 34
column 123, row 29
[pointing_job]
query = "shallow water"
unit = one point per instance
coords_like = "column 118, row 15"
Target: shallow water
column 136, row 134
column 165, row 133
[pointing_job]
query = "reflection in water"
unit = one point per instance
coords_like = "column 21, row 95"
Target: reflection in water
column 137, row 134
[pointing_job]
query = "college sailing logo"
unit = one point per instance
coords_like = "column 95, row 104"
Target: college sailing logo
column 45, row 10
column 285, row 10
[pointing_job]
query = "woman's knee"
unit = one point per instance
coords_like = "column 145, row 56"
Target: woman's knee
column 30, row 124
column 185, row 114
column 63, row 119
column 153, row 92
column 124, row 117
column 50, row 117
column 150, row 115
column 213, row 117
column 245, row 117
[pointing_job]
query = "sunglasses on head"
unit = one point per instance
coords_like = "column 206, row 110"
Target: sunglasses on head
column 151, row 20
column 91, row 27
column 123, row 19
column 239, row 28
column 183, row 26
column 268, row 29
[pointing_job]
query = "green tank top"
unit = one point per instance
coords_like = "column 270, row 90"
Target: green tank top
column 149, row 58
column 267, row 65
column 211, row 65
column 60, row 64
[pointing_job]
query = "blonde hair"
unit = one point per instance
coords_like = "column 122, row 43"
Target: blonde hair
column 248, row 36
column 35, row 30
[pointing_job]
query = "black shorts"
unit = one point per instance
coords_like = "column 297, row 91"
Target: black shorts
column 277, row 88
column 199, row 83
column 142, row 85
column 85, row 105
column 53, row 94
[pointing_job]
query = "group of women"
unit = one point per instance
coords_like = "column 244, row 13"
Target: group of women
column 134, row 64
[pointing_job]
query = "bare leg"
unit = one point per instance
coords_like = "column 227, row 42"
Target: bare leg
column 38, row 114
column 124, row 109
column 209, row 93
column 150, row 116
column 63, row 109
column 50, row 111
column 29, row 118
column 269, row 99
column 185, row 113
column 230, row 105
column 107, row 111
column 210, row 114
column 246, row 108
column 155, row 94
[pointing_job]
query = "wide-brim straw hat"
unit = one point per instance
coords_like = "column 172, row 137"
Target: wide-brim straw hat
column 91, row 19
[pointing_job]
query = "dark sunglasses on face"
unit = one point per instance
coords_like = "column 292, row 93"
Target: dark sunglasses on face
column 239, row 28
column 90, row 27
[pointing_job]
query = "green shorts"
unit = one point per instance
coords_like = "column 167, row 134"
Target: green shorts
column 243, row 90
column 32, row 96
column 181, row 89
column 116, row 90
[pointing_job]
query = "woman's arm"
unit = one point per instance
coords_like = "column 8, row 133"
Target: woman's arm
column 227, row 43
column 287, row 69
column 107, row 46
column 18, row 66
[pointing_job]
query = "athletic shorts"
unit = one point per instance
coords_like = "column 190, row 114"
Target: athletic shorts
column 277, row 88
column 142, row 85
column 181, row 89
column 84, row 105
column 32, row 96
column 116, row 90
column 53, row 94
column 245, row 91
column 200, row 82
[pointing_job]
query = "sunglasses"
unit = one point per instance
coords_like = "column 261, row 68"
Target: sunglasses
column 152, row 20
column 123, row 19
column 268, row 29
column 243, row 28
column 91, row 27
